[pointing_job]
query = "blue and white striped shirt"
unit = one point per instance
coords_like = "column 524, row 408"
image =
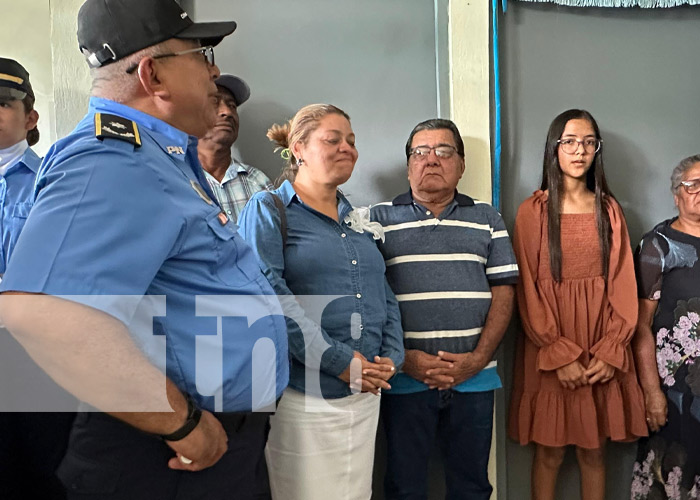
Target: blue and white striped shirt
column 442, row 270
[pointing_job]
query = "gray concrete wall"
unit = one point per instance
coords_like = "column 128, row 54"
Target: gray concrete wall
column 376, row 60
column 636, row 71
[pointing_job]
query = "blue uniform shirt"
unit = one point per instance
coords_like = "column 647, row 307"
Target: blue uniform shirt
column 322, row 257
column 111, row 218
column 16, row 194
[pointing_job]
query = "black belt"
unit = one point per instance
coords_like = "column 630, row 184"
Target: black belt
column 233, row 421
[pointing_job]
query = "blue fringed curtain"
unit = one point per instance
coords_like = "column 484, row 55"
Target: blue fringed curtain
column 645, row 4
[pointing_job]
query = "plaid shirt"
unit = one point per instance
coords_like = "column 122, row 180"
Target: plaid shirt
column 239, row 184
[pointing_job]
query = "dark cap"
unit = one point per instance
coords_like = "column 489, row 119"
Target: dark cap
column 237, row 87
column 109, row 30
column 14, row 80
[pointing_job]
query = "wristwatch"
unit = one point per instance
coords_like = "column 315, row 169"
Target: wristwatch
column 193, row 416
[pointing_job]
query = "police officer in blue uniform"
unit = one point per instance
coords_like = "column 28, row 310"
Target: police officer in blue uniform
column 18, row 163
column 132, row 289
column 32, row 443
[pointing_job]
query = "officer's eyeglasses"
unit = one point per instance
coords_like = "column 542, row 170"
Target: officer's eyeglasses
column 570, row 145
column 207, row 53
column 442, row 151
column 691, row 187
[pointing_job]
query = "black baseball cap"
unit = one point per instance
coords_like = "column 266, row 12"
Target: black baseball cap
column 14, row 80
column 109, row 30
column 235, row 85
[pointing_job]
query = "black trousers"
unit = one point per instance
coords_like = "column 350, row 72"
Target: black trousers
column 110, row 460
column 31, row 447
column 35, row 420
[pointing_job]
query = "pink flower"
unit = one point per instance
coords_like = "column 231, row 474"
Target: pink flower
column 642, row 478
column 689, row 345
column 672, row 486
column 666, row 353
column 694, row 493
column 685, row 323
column 661, row 365
column 694, row 317
column 669, row 380
column 661, row 336
column 680, row 332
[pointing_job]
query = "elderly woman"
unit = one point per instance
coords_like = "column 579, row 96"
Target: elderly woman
column 668, row 276
column 344, row 326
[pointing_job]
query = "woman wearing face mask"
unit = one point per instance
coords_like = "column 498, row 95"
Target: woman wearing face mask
column 32, row 444
column 18, row 163
column 575, row 381
column 346, row 342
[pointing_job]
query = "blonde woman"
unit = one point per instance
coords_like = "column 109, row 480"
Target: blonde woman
column 345, row 342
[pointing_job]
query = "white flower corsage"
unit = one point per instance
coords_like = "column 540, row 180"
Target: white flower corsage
column 358, row 220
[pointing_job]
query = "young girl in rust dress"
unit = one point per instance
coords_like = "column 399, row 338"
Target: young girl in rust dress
column 575, row 381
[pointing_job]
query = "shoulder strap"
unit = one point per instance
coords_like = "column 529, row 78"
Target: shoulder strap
column 117, row 127
column 283, row 217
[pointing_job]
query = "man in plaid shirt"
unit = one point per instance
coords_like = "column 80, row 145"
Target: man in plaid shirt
column 232, row 182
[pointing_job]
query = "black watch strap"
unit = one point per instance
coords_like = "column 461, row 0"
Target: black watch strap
column 193, row 416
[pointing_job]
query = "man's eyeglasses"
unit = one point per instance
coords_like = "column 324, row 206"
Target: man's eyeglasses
column 691, row 187
column 422, row 152
column 570, row 145
column 207, row 52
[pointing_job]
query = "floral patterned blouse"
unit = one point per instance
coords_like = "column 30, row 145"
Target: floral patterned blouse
column 668, row 271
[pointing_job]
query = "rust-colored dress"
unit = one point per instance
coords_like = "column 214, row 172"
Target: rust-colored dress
column 583, row 315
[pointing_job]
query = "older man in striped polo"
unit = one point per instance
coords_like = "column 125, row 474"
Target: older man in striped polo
column 450, row 263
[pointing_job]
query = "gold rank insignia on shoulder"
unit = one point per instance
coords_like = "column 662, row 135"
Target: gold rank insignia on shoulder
column 116, row 127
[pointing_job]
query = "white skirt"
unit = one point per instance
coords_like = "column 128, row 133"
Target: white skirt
column 322, row 455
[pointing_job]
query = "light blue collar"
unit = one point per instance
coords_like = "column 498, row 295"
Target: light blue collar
column 172, row 140
column 287, row 194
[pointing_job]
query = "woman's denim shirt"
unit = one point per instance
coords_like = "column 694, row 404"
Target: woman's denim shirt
column 331, row 284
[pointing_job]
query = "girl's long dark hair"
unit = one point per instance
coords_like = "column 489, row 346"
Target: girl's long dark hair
column 33, row 134
column 552, row 181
